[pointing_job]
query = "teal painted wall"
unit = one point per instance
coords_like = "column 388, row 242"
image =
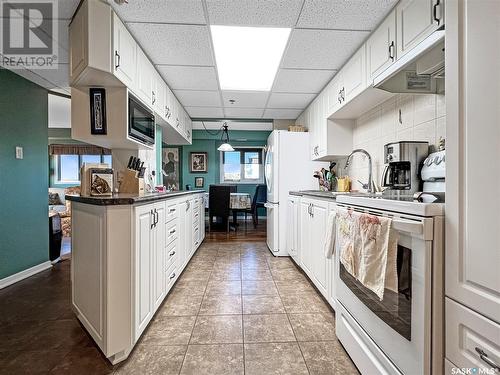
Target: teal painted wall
column 204, row 142
column 24, row 182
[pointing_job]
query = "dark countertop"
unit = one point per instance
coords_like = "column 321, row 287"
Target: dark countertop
column 124, row 199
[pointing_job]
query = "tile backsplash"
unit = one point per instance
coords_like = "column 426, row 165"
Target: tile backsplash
column 404, row 117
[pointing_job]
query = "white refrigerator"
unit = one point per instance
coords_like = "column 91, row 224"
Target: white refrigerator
column 287, row 167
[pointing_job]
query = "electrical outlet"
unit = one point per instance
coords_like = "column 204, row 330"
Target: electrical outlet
column 19, row 152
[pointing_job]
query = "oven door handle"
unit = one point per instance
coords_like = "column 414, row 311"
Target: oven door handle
column 408, row 226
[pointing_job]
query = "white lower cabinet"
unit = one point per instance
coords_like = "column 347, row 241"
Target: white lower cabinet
column 313, row 216
column 166, row 238
column 293, row 237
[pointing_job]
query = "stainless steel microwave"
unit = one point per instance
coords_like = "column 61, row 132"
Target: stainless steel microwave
column 141, row 121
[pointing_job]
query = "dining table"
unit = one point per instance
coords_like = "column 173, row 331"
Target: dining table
column 237, row 202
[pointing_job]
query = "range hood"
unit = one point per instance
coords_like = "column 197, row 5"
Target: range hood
column 421, row 70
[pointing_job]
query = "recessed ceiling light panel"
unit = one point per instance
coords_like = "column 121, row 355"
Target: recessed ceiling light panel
column 248, row 57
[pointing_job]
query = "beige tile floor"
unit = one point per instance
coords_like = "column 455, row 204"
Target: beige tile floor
column 234, row 310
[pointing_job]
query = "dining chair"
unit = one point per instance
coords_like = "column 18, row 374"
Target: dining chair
column 259, row 199
column 219, row 197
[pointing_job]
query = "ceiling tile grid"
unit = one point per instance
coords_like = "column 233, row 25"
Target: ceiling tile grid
column 175, row 35
column 189, row 77
column 321, row 49
column 302, row 80
column 161, row 11
column 174, row 44
column 344, row 15
column 194, row 98
column 271, row 13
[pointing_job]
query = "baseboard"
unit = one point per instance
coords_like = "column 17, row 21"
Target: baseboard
column 9, row 280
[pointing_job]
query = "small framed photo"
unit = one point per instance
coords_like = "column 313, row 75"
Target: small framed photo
column 98, row 111
column 198, row 162
column 199, row 182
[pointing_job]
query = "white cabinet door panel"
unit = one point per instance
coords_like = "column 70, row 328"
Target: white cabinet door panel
column 415, row 21
column 381, row 47
column 124, row 54
column 473, row 133
column 355, row 75
column 143, row 264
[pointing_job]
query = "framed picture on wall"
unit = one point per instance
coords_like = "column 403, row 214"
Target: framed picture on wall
column 171, row 168
column 97, row 111
column 199, row 182
column 198, row 162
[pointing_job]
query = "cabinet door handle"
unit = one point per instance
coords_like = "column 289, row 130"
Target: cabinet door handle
column 117, row 60
column 172, row 210
column 172, row 276
column 172, row 253
column 153, row 96
column 312, row 210
column 157, row 217
column 343, row 94
column 172, row 231
column 153, row 217
column 485, row 359
column 435, row 9
column 391, row 50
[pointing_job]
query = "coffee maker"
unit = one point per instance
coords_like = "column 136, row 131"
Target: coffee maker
column 402, row 165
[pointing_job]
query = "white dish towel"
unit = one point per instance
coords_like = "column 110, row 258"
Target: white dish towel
column 368, row 250
column 329, row 242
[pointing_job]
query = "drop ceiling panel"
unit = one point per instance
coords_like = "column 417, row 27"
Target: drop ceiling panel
column 349, row 15
column 161, row 11
column 174, row 44
column 189, row 77
column 287, row 100
column 207, row 112
column 288, row 114
column 303, row 81
column 193, row 98
column 273, row 13
column 244, row 112
column 247, row 99
column 321, row 49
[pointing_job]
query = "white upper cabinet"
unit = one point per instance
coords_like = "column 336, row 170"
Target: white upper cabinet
column 124, row 53
column 78, row 40
column 333, row 93
column 472, row 135
column 381, row 47
column 145, row 80
column 354, row 75
column 416, row 19
column 159, row 95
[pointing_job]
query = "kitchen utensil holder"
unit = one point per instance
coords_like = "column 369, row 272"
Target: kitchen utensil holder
column 130, row 183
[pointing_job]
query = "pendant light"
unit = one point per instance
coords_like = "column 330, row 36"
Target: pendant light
column 225, row 138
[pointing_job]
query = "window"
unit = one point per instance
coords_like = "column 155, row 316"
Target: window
column 243, row 165
column 68, row 166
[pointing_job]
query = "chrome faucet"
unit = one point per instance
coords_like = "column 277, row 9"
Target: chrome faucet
column 369, row 185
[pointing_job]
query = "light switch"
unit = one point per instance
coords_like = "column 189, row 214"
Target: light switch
column 19, row 152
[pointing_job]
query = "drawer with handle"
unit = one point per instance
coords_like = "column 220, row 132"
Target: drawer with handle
column 472, row 340
column 170, row 255
column 172, row 212
column 170, row 277
column 172, row 232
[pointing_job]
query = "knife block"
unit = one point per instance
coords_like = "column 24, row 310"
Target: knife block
column 130, row 183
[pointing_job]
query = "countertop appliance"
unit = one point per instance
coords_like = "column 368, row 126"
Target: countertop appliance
column 287, row 167
column 433, row 175
column 403, row 332
column 141, row 121
column 402, row 166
